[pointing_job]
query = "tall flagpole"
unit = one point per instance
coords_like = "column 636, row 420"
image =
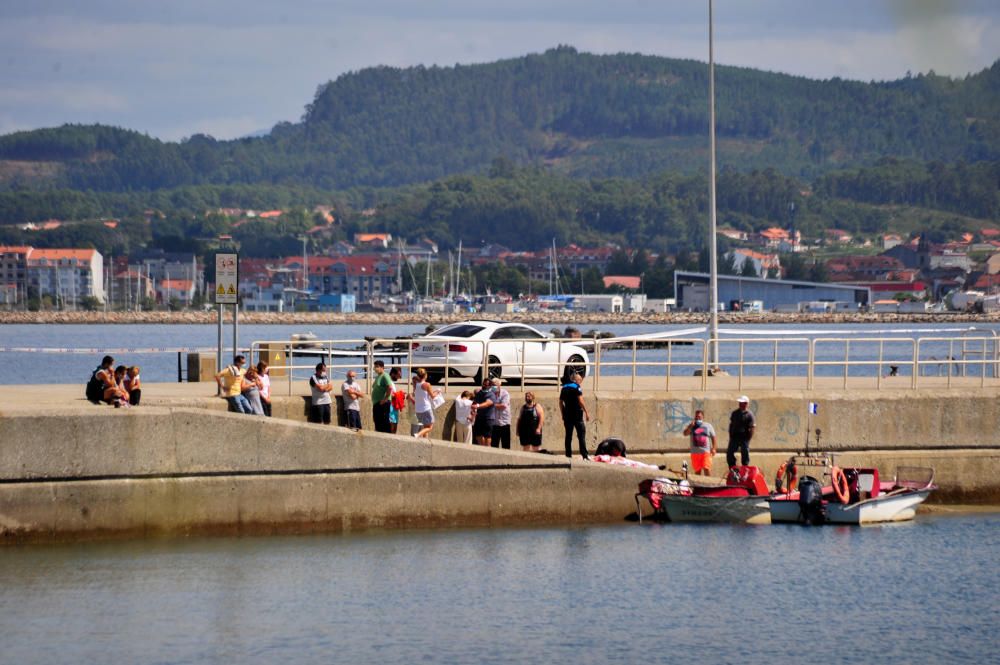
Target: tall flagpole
column 713, row 341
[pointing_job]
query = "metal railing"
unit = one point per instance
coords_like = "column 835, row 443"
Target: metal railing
column 896, row 362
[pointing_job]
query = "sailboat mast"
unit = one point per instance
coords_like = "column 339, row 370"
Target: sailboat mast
column 713, row 342
column 555, row 266
column 399, row 266
column 458, row 270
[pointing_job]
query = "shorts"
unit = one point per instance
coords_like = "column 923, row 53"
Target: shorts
column 483, row 429
column 531, row 439
column 701, row 461
column 426, row 418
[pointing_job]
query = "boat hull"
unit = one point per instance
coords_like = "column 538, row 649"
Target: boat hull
column 742, row 510
column 895, row 508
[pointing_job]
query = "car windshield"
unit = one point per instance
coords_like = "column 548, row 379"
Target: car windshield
column 457, row 330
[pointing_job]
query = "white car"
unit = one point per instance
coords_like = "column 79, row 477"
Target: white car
column 513, row 352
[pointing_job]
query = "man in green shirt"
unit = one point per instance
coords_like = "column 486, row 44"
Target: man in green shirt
column 382, row 389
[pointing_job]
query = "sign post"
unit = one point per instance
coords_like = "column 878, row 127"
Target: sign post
column 227, row 293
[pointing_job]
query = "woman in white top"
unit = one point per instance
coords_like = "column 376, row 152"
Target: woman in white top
column 265, row 387
column 421, row 397
column 463, row 418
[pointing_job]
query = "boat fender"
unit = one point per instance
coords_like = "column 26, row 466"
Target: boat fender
column 840, row 488
column 787, row 471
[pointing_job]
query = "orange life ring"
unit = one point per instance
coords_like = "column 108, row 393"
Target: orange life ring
column 787, row 471
column 840, row 484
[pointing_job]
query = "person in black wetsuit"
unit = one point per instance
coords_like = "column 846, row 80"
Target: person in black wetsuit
column 574, row 410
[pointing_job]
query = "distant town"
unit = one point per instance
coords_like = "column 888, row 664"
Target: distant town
column 775, row 269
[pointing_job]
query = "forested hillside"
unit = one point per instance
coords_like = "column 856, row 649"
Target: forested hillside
column 526, row 208
column 583, row 115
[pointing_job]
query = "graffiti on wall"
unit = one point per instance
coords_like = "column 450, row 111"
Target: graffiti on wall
column 675, row 416
column 787, row 426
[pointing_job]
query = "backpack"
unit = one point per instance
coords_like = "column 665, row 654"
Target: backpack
column 611, row 446
column 398, row 400
column 95, row 387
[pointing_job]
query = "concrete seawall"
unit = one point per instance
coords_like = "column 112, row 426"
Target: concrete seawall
column 652, row 422
column 93, row 473
column 182, row 465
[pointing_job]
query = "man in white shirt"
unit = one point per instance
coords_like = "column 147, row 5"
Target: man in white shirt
column 319, row 384
column 351, row 392
column 501, row 424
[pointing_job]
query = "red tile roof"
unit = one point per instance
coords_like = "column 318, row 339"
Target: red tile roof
column 626, row 281
column 774, row 233
column 176, row 284
column 58, row 254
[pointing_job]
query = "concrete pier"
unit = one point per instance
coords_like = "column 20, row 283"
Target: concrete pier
column 180, row 464
column 92, row 473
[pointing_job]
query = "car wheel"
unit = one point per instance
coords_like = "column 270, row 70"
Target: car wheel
column 496, row 371
column 575, row 365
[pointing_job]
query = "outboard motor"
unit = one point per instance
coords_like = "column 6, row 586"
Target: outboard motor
column 811, row 509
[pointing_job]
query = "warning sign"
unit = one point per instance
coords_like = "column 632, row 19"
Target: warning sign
column 226, row 279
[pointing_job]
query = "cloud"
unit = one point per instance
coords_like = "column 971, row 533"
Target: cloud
column 73, row 97
column 229, row 67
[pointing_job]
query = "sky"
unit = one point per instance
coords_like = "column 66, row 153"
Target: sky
column 230, row 68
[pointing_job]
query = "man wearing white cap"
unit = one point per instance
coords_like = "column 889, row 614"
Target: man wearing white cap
column 741, row 428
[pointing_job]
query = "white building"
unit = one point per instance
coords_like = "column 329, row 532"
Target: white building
column 67, row 275
column 13, row 274
column 598, row 303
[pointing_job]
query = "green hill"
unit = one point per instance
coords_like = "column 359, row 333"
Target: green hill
column 583, row 115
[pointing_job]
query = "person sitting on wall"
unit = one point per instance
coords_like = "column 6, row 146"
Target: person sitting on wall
column 230, row 381
column 100, row 378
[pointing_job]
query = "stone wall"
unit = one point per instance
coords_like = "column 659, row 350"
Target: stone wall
column 654, row 423
column 87, row 474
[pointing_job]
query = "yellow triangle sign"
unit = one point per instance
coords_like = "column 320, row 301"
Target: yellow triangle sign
column 232, row 290
column 221, row 290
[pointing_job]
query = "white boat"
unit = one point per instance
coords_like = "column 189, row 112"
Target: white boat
column 743, row 510
column 306, row 340
column 862, row 497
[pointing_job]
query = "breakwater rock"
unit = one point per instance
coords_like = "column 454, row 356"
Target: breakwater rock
column 534, row 318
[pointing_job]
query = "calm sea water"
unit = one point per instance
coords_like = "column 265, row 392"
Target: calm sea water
column 920, row 592
column 40, row 367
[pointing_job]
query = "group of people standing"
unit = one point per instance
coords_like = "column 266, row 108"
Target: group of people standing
column 483, row 417
column 246, row 389
column 742, row 425
column 387, row 399
column 119, row 386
